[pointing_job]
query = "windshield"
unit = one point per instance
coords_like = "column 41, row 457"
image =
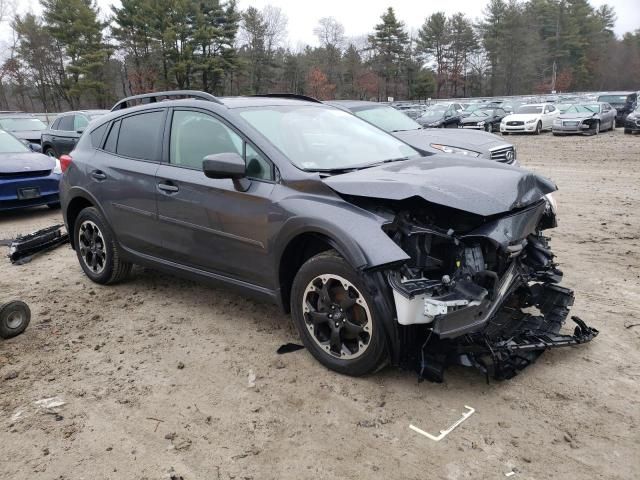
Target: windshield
column 472, row 107
column 613, row 98
column 485, row 112
column 17, row 124
column 435, row 111
column 583, row 109
column 387, row 118
column 563, row 107
column 319, row 138
column 530, row 109
column 10, row 144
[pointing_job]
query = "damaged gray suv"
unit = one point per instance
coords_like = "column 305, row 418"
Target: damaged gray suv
column 381, row 255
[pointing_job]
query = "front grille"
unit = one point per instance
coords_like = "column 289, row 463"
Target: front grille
column 515, row 124
column 504, row 154
column 25, row 174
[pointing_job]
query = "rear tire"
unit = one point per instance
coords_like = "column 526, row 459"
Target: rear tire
column 14, row 318
column 341, row 327
column 50, row 152
column 97, row 250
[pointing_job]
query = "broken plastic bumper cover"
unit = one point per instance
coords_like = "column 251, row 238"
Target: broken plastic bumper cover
column 25, row 246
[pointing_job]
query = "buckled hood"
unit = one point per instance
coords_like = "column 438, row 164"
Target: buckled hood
column 477, row 186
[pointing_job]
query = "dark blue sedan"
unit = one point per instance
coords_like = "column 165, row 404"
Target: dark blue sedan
column 27, row 178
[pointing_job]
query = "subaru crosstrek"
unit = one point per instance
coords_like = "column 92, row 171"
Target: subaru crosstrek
column 381, row 255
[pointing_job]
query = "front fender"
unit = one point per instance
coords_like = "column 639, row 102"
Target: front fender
column 357, row 234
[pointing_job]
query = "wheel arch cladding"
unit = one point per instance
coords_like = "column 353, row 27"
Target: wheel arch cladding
column 76, row 205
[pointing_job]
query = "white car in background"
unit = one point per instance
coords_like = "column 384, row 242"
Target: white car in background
column 533, row 118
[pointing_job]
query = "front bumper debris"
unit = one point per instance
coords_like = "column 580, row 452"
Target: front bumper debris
column 23, row 248
column 499, row 358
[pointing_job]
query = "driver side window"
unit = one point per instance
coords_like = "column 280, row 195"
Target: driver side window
column 194, row 135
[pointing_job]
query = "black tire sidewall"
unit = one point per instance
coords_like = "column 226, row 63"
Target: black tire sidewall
column 5, row 330
column 376, row 354
column 91, row 213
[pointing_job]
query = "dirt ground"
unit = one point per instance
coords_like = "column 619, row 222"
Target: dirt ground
column 155, row 373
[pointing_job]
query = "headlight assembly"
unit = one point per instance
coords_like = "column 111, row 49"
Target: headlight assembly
column 533, row 120
column 551, row 202
column 459, row 151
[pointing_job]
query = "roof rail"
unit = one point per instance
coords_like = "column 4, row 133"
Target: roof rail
column 292, row 96
column 155, row 96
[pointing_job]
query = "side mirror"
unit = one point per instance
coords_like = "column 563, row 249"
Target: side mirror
column 227, row 165
column 224, row 165
column 34, row 147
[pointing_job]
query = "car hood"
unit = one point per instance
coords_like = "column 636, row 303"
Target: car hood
column 477, row 141
column 474, row 119
column 522, row 117
column 577, row 115
column 24, row 162
column 28, row 134
column 477, row 186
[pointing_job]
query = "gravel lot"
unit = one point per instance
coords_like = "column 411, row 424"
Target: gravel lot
column 155, row 373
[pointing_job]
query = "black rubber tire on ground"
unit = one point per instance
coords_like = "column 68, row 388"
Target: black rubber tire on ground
column 376, row 354
column 115, row 269
column 596, row 129
column 14, row 318
column 50, row 152
column 538, row 128
column 488, row 128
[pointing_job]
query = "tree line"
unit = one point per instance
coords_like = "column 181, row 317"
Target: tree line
column 70, row 56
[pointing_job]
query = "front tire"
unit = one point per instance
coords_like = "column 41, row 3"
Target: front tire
column 596, row 129
column 336, row 316
column 96, row 249
column 538, row 128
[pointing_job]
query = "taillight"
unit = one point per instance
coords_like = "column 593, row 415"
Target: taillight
column 65, row 161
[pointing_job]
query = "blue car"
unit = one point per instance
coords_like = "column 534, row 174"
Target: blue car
column 27, row 178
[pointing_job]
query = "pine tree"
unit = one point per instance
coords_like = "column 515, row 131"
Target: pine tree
column 389, row 43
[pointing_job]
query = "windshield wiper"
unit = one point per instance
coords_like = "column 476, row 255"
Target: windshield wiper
column 333, row 171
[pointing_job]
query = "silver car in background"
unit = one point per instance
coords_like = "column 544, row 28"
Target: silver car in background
column 585, row 118
column 470, row 143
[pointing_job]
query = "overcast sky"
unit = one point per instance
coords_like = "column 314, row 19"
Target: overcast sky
column 360, row 16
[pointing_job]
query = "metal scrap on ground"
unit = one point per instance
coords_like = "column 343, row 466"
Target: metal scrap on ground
column 444, row 433
column 24, row 247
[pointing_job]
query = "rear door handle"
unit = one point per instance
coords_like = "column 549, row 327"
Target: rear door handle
column 99, row 175
column 168, row 187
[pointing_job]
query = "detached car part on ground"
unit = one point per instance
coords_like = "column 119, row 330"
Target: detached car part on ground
column 380, row 254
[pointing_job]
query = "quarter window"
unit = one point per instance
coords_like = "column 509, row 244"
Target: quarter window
column 194, row 135
column 66, row 123
column 56, row 122
column 141, row 135
column 112, row 139
column 97, row 135
column 80, row 122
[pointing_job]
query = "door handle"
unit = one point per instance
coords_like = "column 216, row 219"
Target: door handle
column 168, row 187
column 99, row 175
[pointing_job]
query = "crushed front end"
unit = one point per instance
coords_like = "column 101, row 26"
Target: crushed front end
column 478, row 291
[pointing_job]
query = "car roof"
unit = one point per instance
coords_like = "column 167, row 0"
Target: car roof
column 349, row 104
column 242, row 102
column 88, row 112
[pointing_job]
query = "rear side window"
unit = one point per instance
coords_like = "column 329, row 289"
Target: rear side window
column 55, row 124
column 112, row 139
column 66, row 123
column 97, row 135
column 141, row 136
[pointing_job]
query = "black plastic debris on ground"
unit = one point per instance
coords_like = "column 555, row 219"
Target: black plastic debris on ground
column 24, row 247
column 288, row 348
